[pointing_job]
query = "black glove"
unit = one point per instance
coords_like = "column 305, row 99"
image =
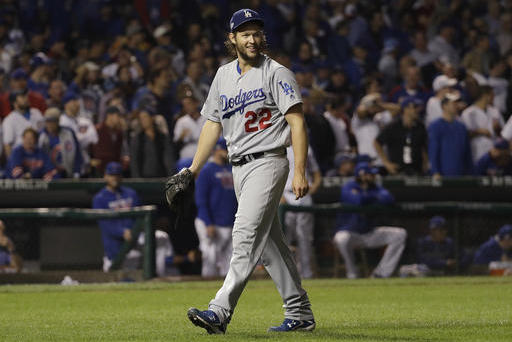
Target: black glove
column 177, row 187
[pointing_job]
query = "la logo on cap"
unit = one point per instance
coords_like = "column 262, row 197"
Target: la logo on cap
column 247, row 14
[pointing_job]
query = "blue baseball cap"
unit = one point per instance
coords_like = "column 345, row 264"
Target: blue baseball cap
column 437, row 222
column 69, row 96
column 363, row 167
column 19, row 74
column 221, row 144
column 411, row 99
column 501, row 144
column 505, row 232
column 113, row 168
column 243, row 16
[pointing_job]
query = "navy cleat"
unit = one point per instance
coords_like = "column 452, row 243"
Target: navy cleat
column 294, row 325
column 207, row 320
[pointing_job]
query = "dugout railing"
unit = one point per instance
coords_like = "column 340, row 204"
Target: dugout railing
column 144, row 223
column 457, row 211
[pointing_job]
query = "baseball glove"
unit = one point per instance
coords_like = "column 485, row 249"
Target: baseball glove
column 177, row 187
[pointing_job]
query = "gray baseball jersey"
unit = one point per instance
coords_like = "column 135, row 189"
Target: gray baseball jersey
column 251, row 106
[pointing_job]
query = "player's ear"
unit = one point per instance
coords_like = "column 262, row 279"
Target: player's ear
column 231, row 37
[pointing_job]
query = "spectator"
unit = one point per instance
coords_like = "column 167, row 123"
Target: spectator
column 441, row 85
column 449, row 151
column 405, row 140
column 435, row 253
column 28, row 161
column 18, row 84
column 300, row 226
column 163, row 37
column 411, row 87
column 193, row 79
column 497, row 248
column 56, row 93
column 21, row 118
column 83, row 128
column 480, row 57
column 442, row 44
column 151, row 149
column 158, row 94
column 483, row 122
column 115, row 232
column 355, row 230
column 504, row 36
column 340, row 125
column 421, row 53
column 321, row 136
column 216, row 207
column 112, row 145
column 496, row 162
column 10, row 260
column 372, row 114
column 188, row 127
column 388, row 64
column 61, row 144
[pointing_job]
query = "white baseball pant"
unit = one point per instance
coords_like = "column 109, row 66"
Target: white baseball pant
column 216, row 251
column 257, row 234
column 392, row 237
column 299, row 227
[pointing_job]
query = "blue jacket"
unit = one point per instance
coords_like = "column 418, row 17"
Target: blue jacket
column 489, row 251
column 352, row 193
column 449, row 151
column 215, row 196
column 37, row 163
column 487, row 167
column 434, row 254
column 112, row 229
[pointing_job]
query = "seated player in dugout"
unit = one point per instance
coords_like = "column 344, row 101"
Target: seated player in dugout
column 435, row 253
column 115, row 232
column 10, row 260
column 356, row 230
column 497, row 249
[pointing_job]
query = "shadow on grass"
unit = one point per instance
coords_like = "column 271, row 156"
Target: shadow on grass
column 326, row 334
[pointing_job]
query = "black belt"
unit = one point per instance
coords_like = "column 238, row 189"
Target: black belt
column 247, row 158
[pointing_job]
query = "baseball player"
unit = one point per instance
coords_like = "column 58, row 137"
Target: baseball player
column 256, row 103
column 299, row 226
column 114, row 232
column 216, row 208
column 355, row 230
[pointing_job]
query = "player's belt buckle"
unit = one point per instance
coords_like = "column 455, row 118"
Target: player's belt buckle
column 247, row 158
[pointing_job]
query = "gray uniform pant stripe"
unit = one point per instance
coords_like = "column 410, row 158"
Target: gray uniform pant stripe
column 257, row 233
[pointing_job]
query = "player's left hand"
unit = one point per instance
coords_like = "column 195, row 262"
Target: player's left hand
column 300, row 186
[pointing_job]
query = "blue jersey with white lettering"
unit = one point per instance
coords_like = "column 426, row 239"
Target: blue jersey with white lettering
column 112, row 229
column 251, row 107
column 215, row 195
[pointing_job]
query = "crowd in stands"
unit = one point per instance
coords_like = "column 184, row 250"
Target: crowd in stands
column 414, row 87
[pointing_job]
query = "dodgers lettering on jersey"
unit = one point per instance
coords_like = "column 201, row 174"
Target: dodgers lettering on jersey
column 251, row 106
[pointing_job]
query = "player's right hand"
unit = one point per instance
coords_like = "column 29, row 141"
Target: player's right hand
column 300, row 186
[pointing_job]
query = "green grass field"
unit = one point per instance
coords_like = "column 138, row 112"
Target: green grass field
column 433, row 309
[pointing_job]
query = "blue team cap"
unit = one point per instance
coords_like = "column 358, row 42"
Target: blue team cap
column 437, row 222
column 19, row 74
column 505, row 232
column 244, row 16
column 221, row 144
column 362, row 167
column 113, row 168
column 69, row 96
column 501, row 144
column 343, row 159
column 411, row 99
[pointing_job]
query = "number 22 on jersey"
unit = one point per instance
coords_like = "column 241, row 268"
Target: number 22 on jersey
column 257, row 121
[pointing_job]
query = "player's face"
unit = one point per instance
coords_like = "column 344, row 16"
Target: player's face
column 29, row 141
column 248, row 41
column 113, row 181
